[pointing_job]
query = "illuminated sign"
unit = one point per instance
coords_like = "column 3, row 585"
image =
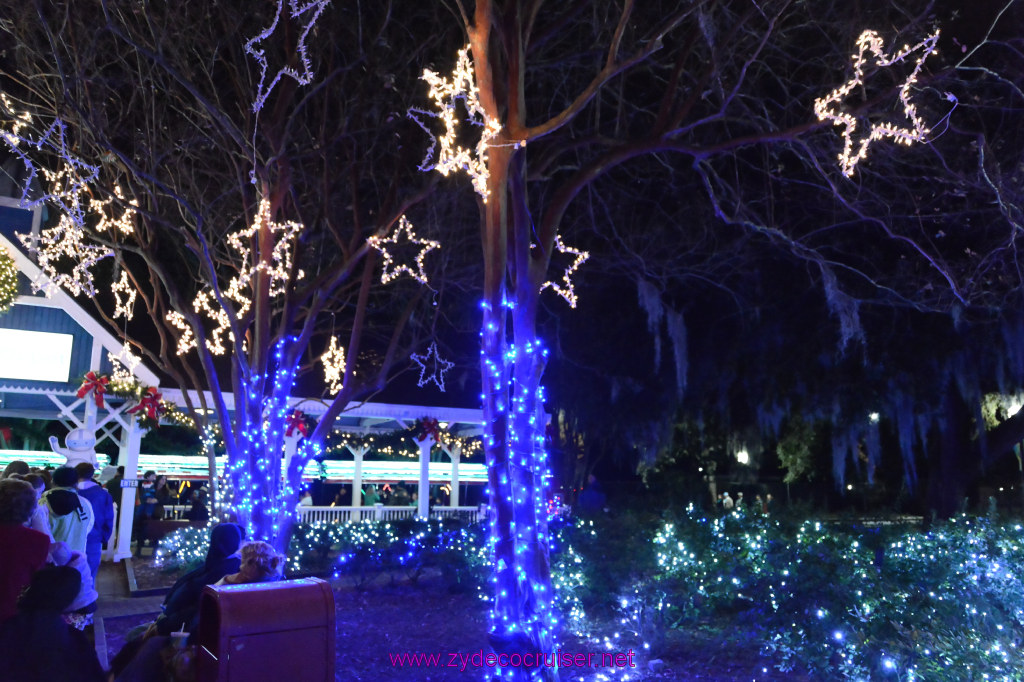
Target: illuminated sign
column 35, row 356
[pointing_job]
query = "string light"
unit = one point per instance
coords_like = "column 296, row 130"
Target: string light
column 308, row 12
column 66, row 184
column 828, row 107
column 333, row 360
column 391, row 270
column 124, row 297
column 445, row 154
column 65, row 241
column 438, row 367
column 566, row 289
column 8, row 281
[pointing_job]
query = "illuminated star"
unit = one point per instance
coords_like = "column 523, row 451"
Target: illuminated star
column 438, row 367
column 827, row 108
column 390, row 269
column 566, row 290
column 65, row 185
column 445, row 154
column 297, row 9
column 333, row 360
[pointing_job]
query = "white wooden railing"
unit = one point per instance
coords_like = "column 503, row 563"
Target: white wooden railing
column 379, row 512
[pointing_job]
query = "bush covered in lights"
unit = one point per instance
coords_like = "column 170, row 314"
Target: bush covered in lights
column 832, row 600
column 361, row 551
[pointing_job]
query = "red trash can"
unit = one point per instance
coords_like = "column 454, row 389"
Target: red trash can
column 266, row 631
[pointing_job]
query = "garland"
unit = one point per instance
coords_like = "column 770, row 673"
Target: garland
column 8, row 281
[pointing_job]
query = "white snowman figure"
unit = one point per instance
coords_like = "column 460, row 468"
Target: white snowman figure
column 80, row 447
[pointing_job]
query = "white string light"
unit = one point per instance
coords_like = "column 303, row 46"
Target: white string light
column 65, row 186
column 438, row 367
column 445, row 155
column 308, row 12
column 187, row 340
column 333, row 360
column 278, row 267
column 566, row 289
column 123, row 307
column 827, row 108
column 391, row 270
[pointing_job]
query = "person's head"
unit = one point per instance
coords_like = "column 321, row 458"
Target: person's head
column 60, row 553
column 17, row 501
column 65, row 477
column 15, row 467
column 149, row 475
column 225, row 539
column 161, row 481
column 260, row 563
column 120, row 471
column 85, row 471
column 53, row 588
column 38, row 483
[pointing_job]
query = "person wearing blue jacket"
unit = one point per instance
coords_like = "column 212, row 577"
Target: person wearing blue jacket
column 103, row 513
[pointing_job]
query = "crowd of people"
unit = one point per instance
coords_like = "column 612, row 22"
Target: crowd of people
column 53, row 525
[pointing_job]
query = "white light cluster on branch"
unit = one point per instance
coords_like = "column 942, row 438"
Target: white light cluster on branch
column 446, row 155
column 828, row 107
column 566, row 289
column 333, row 360
column 187, row 340
column 277, row 266
column 305, row 12
column 432, row 367
column 391, row 269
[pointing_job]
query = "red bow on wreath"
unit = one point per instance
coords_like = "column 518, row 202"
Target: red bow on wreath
column 430, row 428
column 96, row 383
column 296, row 421
column 149, row 403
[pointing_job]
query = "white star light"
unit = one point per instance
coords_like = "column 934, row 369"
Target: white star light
column 334, row 366
column 566, row 289
column 278, row 266
column 308, row 12
column 65, row 186
column 65, row 240
column 438, row 367
column 827, row 108
column 445, row 155
column 390, row 269
column 123, row 307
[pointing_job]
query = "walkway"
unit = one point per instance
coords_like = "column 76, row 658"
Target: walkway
column 115, row 600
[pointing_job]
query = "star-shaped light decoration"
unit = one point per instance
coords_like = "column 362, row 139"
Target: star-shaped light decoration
column 64, row 186
column 391, row 270
column 124, row 297
column 305, row 12
column 432, row 367
column 827, row 108
column 445, row 154
column 566, row 289
column 333, row 360
column 65, row 241
column 278, row 266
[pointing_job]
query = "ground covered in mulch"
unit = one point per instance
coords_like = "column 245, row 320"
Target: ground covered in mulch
column 391, row 615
